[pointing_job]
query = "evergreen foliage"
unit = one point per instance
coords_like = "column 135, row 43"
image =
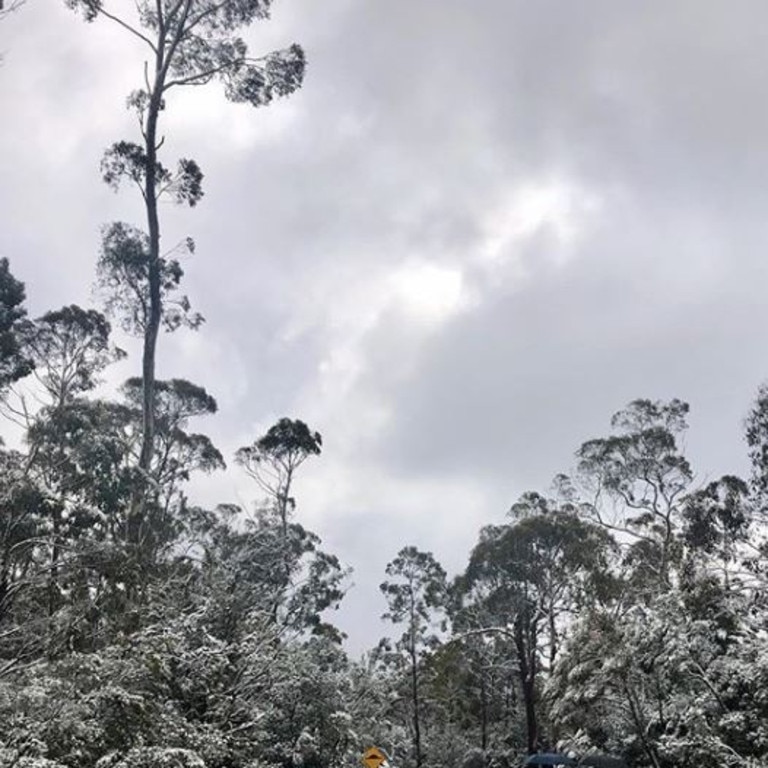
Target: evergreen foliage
column 624, row 612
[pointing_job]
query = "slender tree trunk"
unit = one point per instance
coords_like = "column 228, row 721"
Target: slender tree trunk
column 53, row 583
column 640, row 726
column 527, row 666
column 148, row 362
column 553, row 647
column 416, row 704
column 282, row 498
column 415, row 687
column 54, row 592
column 152, row 328
column 483, row 712
column 554, row 734
column 53, row 579
column 155, row 302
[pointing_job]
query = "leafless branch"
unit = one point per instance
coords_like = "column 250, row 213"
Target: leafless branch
column 135, row 32
column 201, row 78
column 14, row 6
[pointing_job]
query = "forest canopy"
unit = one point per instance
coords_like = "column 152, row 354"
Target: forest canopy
column 622, row 609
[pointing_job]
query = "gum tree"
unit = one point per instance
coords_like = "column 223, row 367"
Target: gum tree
column 272, row 460
column 188, row 42
column 415, row 593
column 525, row 583
column 638, row 478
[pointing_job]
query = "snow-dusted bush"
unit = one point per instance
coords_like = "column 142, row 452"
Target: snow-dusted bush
column 152, row 757
column 30, row 762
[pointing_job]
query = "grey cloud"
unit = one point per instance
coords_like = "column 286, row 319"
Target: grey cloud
column 513, row 388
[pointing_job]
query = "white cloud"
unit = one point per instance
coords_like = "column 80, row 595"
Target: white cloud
column 564, row 208
column 428, row 292
column 228, row 128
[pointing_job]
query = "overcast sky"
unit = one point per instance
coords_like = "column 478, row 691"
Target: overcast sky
column 480, row 228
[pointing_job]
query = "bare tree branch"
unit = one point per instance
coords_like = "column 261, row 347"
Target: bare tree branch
column 7, row 10
column 125, row 26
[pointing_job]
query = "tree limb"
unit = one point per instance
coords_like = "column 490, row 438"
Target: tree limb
column 126, row 26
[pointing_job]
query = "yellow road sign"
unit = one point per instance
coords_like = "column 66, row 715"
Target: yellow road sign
column 373, row 757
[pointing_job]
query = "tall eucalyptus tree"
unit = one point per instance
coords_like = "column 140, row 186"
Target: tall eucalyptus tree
column 188, row 42
column 416, row 592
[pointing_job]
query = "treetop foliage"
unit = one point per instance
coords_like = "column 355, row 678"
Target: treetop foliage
column 14, row 364
column 125, row 159
column 122, row 271
column 288, row 442
column 196, row 42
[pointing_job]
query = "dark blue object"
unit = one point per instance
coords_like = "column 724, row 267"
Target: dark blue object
column 602, row 761
column 549, row 758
